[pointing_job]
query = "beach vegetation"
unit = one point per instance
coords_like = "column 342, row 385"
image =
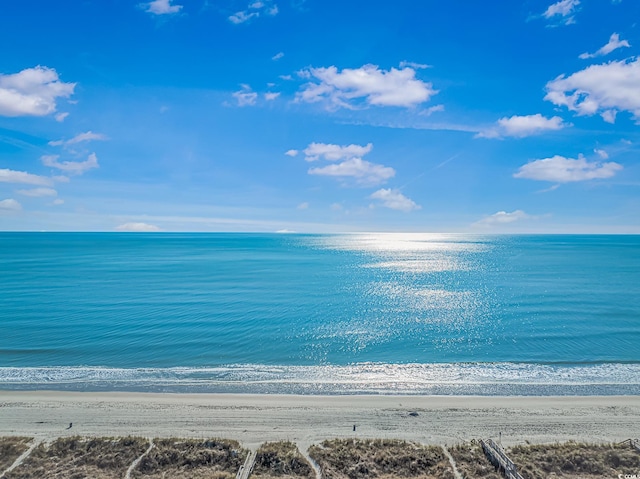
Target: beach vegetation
column 11, row 448
column 379, row 458
column 574, row 460
column 281, row 459
column 80, row 457
column 471, row 461
column 192, row 458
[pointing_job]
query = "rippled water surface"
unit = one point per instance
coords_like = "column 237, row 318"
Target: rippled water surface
column 315, row 313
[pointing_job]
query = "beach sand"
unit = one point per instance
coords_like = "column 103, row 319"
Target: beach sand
column 254, row 419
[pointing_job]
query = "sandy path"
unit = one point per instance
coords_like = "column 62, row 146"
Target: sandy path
column 20, row 459
column 253, row 419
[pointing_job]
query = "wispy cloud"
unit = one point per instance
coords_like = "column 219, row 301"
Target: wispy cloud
column 32, row 92
column 161, row 7
column 613, row 44
column 81, row 137
column 331, row 152
column 13, row 176
column 601, row 153
column 559, row 169
column 71, row 167
column 522, row 126
column 414, row 65
column 256, row 9
column 394, row 200
column 502, row 218
column 365, row 86
column 564, row 9
column 277, row 56
column 364, row 172
column 10, row 205
column 137, row 228
column 38, row 192
column 347, row 163
column 246, row 96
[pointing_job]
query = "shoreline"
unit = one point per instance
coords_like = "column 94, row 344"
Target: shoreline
column 306, row 419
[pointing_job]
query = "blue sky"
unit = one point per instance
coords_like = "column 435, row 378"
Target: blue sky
column 320, row 116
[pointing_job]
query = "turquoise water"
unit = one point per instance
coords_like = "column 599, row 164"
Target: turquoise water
column 405, row 313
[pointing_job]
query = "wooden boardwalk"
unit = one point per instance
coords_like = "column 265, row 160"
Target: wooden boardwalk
column 245, row 470
column 498, row 458
column 634, row 443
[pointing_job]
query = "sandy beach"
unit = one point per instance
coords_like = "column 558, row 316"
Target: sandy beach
column 254, row 419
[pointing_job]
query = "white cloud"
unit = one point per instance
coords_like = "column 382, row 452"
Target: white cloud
column 502, row 218
column 395, row 200
column 291, row 153
column 255, row 10
column 414, row 65
column 277, row 56
column 335, row 207
column 60, row 117
column 559, row 169
column 331, row 152
column 303, row 206
column 72, row 167
column 431, row 110
column 522, row 126
column 364, row 172
column 351, row 164
column 12, row 176
column 10, row 205
column 87, row 136
column 613, row 44
column 58, row 201
column 270, row 96
column 564, row 9
column 242, row 16
column 367, row 85
column 38, row 192
column 245, row 97
column 137, row 228
column 601, row 153
column 161, row 7
column 604, row 89
column 32, row 92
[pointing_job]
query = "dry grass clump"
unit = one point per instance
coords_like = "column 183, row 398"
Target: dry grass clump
column 380, row 458
column 573, row 460
column 192, row 458
column 281, row 459
column 11, row 448
column 77, row 457
column 471, row 461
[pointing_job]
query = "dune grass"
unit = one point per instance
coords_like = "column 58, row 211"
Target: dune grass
column 77, row 457
column 281, row 459
column 379, row 458
column 471, row 461
column 191, row 458
column 11, row 448
column 574, row 460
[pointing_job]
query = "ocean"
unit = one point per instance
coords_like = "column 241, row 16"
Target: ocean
column 320, row 314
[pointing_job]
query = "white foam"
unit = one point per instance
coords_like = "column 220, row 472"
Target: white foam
column 466, row 378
